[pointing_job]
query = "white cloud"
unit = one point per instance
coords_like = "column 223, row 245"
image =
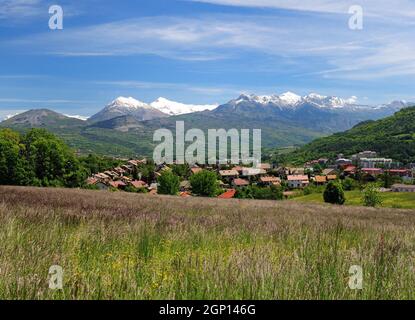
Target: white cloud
column 17, row 9
column 382, row 49
column 371, row 7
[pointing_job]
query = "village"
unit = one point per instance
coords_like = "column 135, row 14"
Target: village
column 365, row 166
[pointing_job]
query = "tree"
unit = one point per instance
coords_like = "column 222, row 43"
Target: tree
column 372, row 196
column 387, row 179
column 334, row 193
column 38, row 158
column 204, row 183
column 181, row 170
column 349, row 184
column 169, row 183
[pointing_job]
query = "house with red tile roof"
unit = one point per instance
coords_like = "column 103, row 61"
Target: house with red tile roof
column 139, row 184
column 240, row 183
column 229, row 194
column 117, row 184
column 297, row 181
column 270, row 181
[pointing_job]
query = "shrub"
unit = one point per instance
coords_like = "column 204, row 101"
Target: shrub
column 349, row 184
column 169, row 183
column 334, row 193
column 265, row 193
column 204, row 183
column 372, row 196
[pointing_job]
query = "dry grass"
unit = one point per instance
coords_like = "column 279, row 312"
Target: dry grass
column 130, row 246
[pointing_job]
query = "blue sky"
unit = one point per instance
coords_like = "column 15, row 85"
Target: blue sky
column 204, row 51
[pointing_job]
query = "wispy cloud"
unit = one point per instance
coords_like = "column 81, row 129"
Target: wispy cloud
column 371, row 7
column 381, row 49
column 205, row 90
column 18, row 9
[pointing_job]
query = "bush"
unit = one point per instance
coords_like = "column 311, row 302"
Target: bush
column 349, row 184
column 372, row 196
column 334, row 193
column 205, row 183
column 169, row 183
column 255, row 192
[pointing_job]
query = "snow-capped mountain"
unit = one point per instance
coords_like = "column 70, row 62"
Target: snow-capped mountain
column 314, row 111
column 122, row 106
column 292, row 100
column 176, row 108
column 289, row 100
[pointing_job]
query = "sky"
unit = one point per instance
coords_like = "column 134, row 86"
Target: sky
column 202, row 51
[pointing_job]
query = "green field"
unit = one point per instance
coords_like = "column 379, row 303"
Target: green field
column 114, row 245
column 403, row 200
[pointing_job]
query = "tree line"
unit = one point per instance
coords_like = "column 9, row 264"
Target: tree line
column 39, row 158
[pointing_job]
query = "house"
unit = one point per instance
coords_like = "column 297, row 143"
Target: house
column 372, row 171
column 320, row 180
column 269, row 181
column 228, row 173
column 342, row 162
column 328, row 172
column 117, row 184
column 238, row 183
column 400, row 172
column 252, row 172
column 403, row 188
column 95, row 182
column 375, row 162
column 229, row 194
column 119, row 171
column 331, row 177
column 102, row 177
column 138, row 184
column 350, row 170
column 297, row 181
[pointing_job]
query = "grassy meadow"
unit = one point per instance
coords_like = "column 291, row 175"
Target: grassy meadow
column 131, row 246
column 400, row 200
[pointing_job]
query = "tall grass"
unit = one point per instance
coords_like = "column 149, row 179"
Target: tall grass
column 127, row 246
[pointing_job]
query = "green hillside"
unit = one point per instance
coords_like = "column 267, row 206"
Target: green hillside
column 392, row 137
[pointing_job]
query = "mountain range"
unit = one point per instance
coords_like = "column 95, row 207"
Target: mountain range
column 125, row 126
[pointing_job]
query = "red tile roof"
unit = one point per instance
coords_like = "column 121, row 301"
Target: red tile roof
column 117, row 184
column 139, row 184
column 270, row 179
column 228, row 194
column 240, row 182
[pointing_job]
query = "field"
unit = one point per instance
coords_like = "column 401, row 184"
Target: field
column 402, row 200
column 129, row 246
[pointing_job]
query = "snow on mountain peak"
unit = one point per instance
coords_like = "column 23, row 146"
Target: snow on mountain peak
column 128, row 103
column 176, row 108
column 290, row 97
